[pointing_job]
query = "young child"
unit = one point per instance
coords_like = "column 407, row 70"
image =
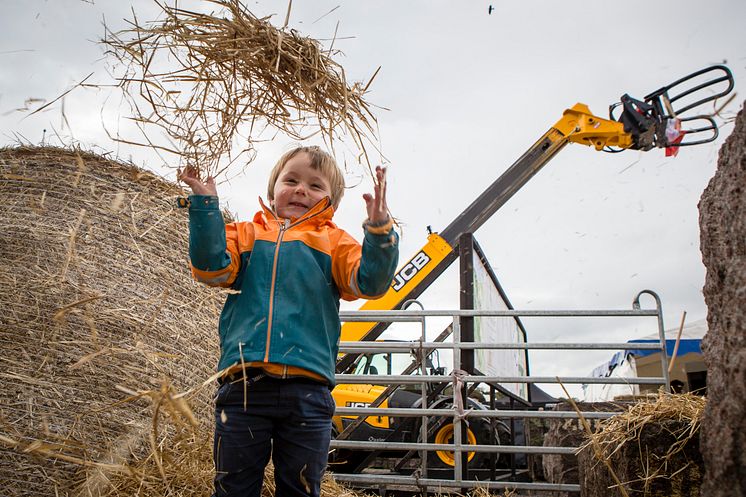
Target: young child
column 279, row 334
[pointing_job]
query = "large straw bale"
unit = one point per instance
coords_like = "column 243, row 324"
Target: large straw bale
column 97, row 304
column 652, row 448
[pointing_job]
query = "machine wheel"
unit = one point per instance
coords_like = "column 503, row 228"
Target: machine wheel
column 478, row 433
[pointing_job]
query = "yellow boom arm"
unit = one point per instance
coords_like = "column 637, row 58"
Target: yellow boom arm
column 577, row 125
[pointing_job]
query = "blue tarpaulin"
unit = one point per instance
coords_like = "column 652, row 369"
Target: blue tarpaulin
column 691, row 340
column 685, row 346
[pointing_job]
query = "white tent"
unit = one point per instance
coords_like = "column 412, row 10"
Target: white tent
column 689, row 367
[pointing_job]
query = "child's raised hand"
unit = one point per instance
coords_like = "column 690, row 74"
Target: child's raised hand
column 190, row 176
column 378, row 212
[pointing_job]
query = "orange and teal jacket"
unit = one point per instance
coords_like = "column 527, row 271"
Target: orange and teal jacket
column 289, row 275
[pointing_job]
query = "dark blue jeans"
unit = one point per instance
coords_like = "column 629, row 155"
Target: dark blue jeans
column 288, row 419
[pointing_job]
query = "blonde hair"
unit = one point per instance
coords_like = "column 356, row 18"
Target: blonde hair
column 320, row 161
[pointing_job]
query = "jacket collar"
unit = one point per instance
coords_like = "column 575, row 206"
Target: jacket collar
column 319, row 214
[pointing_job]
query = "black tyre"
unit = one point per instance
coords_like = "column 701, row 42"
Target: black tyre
column 478, row 433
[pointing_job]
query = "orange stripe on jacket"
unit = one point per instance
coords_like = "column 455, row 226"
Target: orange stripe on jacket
column 239, row 238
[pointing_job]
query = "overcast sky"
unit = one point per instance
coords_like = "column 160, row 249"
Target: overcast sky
column 467, row 93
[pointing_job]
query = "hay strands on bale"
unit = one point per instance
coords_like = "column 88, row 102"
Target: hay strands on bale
column 680, row 413
column 203, row 78
column 95, row 294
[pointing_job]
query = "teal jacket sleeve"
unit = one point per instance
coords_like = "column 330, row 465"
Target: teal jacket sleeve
column 207, row 241
column 380, row 255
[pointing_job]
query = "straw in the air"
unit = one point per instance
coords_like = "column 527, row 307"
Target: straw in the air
column 205, row 78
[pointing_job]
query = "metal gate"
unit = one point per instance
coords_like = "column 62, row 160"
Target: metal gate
column 421, row 479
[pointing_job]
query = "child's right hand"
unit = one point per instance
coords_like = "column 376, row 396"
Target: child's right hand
column 190, row 176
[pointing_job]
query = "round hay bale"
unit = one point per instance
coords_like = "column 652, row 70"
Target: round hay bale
column 652, row 447
column 97, row 304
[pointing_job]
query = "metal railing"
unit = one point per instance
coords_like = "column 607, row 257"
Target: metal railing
column 419, row 479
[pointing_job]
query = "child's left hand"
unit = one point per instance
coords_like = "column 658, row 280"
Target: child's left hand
column 378, row 212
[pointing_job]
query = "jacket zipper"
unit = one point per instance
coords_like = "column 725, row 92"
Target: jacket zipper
column 283, row 228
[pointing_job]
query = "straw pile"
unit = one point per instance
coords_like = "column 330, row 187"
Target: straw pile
column 97, row 305
column 653, row 448
column 203, row 78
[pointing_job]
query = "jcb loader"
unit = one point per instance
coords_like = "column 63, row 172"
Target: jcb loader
column 670, row 118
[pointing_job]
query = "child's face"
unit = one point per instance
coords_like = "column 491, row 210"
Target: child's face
column 299, row 187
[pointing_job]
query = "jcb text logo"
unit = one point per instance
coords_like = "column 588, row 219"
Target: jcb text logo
column 410, row 270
